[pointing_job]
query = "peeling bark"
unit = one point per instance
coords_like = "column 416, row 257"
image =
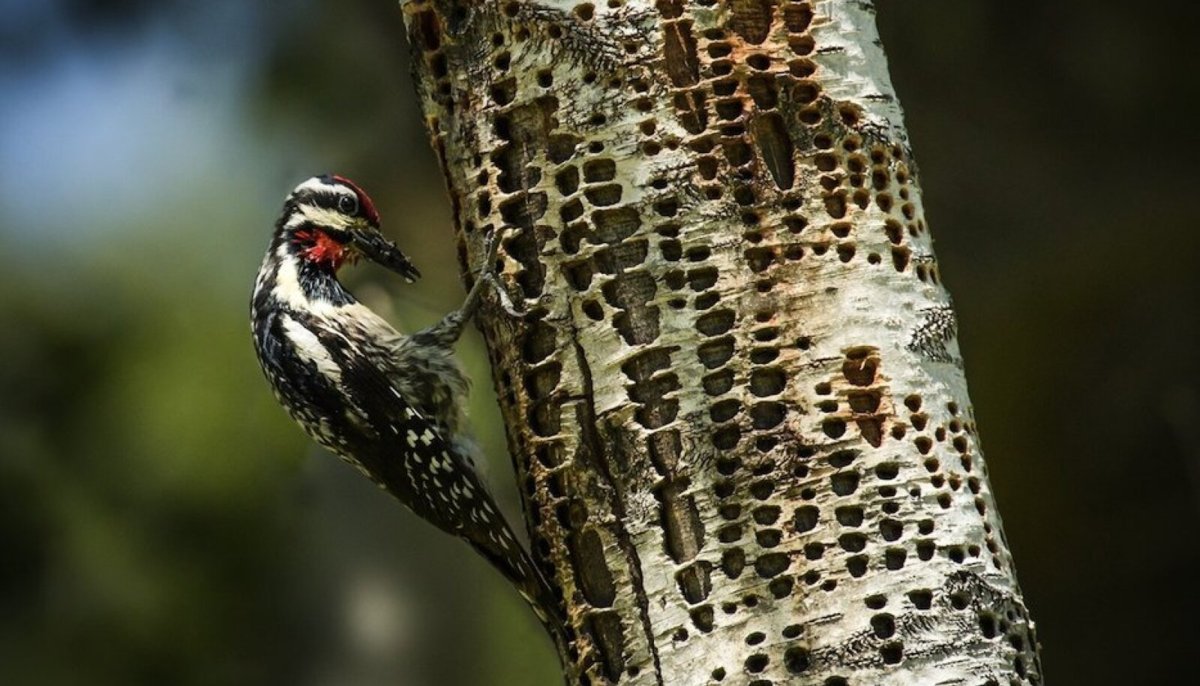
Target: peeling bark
column 736, row 400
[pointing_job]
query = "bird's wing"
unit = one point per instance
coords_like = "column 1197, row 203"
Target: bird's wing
column 302, row 363
column 394, row 444
column 409, row 455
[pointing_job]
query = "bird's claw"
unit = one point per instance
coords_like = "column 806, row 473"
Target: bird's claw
column 492, row 246
column 490, row 274
column 502, row 297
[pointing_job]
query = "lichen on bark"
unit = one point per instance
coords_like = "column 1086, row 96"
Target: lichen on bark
column 735, row 398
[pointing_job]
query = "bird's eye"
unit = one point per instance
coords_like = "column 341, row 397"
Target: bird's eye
column 348, row 204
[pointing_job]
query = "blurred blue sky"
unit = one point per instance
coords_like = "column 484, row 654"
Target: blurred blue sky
column 103, row 123
column 133, row 123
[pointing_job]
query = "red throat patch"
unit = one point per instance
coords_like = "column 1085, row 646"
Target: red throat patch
column 318, row 247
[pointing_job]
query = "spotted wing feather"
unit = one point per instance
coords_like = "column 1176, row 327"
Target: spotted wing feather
column 399, row 448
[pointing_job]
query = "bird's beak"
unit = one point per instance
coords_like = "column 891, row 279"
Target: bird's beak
column 383, row 252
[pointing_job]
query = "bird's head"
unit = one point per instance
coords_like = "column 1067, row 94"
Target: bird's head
column 328, row 221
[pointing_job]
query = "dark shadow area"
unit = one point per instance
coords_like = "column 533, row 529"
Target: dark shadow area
column 1056, row 158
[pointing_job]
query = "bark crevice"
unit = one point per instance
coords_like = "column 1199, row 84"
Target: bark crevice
column 612, row 487
column 737, row 403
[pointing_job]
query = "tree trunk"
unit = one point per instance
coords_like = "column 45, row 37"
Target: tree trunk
column 735, row 396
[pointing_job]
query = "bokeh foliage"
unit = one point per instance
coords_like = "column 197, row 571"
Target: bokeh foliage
column 161, row 520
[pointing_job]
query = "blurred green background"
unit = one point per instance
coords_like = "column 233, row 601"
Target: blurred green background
column 163, row 522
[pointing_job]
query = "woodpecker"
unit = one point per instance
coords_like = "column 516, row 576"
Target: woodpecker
column 389, row 403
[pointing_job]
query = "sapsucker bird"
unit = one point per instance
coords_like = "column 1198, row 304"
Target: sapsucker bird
column 389, row 403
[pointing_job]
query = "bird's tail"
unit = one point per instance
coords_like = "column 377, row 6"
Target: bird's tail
column 518, row 567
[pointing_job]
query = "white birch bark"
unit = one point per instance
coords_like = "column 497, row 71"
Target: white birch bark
column 736, row 399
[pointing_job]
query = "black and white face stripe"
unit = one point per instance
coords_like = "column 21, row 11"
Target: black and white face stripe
column 327, row 202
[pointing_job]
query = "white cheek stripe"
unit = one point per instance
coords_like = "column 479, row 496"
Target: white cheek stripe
column 287, row 281
column 287, row 289
column 325, row 217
